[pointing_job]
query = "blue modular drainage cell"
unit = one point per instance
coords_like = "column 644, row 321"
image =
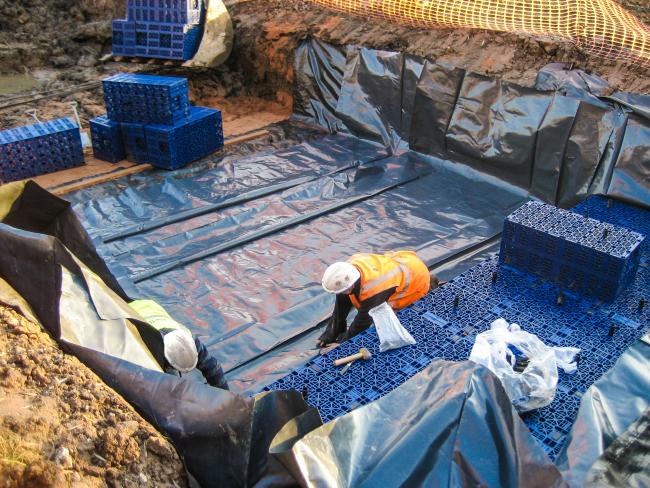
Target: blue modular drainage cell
column 447, row 320
column 157, row 40
column 165, row 29
column 580, row 253
column 37, row 149
column 107, row 139
column 146, row 99
column 135, row 142
column 173, row 147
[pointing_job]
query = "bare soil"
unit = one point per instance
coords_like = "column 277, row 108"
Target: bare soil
column 61, row 426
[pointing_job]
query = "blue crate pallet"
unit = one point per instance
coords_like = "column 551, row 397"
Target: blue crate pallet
column 107, row 139
column 40, row 148
column 579, row 253
column 172, row 147
column 146, row 99
column 486, row 292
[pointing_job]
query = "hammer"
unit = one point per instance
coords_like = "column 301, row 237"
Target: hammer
column 362, row 354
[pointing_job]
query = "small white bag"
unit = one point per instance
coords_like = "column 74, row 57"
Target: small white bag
column 391, row 333
column 533, row 387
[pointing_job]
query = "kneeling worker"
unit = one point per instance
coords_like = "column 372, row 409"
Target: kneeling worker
column 182, row 351
column 368, row 280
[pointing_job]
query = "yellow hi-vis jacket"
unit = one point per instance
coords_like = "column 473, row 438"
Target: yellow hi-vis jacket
column 400, row 269
column 155, row 315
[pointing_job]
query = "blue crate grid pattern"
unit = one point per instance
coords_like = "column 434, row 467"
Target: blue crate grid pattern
column 40, row 148
column 135, row 142
column 447, row 320
column 167, row 11
column 585, row 255
column 146, row 99
column 164, row 29
column 171, row 147
column 107, row 139
column 616, row 213
column 156, row 40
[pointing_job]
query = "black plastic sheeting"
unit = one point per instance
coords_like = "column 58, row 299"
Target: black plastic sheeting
column 560, row 140
column 245, row 301
column 626, row 462
column 450, row 425
column 607, row 410
column 422, row 156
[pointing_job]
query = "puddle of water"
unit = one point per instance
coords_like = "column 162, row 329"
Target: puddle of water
column 14, row 83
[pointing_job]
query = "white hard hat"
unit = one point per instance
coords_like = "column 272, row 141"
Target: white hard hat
column 339, row 277
column 180, row 350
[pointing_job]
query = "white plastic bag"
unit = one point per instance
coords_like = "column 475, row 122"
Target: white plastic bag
column 499, row 349
column 391, row 333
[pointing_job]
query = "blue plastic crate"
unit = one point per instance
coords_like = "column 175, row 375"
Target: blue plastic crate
column 593, row 258
column 107, row 139
column 172, row 147
column 165, row 29
column 146, row 99
column 135, row 142
column 40, row 148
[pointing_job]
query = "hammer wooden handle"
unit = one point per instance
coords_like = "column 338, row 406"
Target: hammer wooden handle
column 348, row 359
column 362, row 354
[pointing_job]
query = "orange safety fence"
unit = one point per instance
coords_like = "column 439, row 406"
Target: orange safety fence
column 598, row 27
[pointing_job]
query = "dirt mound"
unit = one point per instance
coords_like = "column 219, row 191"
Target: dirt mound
column 61, row 426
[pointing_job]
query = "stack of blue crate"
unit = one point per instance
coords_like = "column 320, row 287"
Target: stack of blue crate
column 33, row 150
column 166, row 29
column 150, row 120
column 591, row 257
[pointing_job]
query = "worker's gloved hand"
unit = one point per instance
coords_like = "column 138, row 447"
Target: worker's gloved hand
column 330, row 335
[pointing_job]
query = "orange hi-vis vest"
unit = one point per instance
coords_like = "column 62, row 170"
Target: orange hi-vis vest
column 380, row 272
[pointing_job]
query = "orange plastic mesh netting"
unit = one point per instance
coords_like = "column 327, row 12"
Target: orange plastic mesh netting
column 599, row 27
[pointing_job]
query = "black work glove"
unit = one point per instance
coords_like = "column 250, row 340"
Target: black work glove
column 330, row 335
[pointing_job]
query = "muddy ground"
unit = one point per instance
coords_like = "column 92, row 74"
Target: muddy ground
column 61, row 426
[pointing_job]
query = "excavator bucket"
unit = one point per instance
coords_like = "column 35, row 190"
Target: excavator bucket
column 217, row 40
